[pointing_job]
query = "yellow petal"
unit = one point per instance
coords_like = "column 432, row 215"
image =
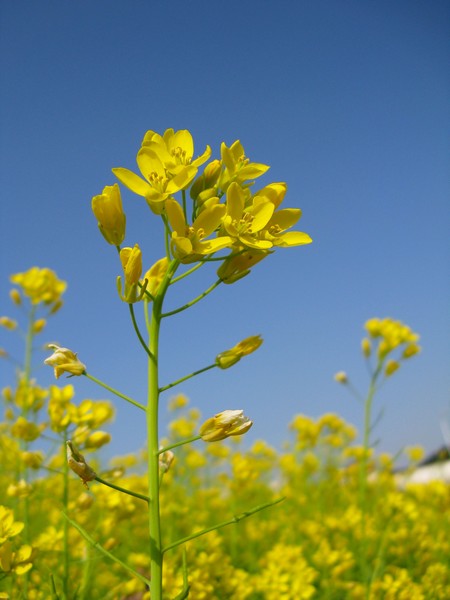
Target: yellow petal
column 292, row 238
column 149, row 162
column 262, row 213
column 176, row 217
column 285, row 218
column 209, row 219
column 181, row 179
column 132, row 181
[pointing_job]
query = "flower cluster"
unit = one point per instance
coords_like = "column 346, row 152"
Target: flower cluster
column 226, row 214
column 391, row 335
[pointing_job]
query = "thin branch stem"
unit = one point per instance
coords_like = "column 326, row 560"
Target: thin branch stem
column 113, row 391
column 234, row 519
column 100, row 548
column 181, row 443
column 186, row 377
column 123, row 490
column 136, row 329
column 192, row 302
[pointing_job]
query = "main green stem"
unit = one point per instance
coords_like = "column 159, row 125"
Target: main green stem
column 156, row 553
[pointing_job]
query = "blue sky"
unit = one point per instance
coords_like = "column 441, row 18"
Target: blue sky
column 348, row 103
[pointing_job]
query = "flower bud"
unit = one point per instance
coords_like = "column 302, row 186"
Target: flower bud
column 131, row 259
column 341, row 377
column 225, row 424
column 228, row 358
column 391, row 367
column 366, row 347
column 107, row 207
column 39, row 325
column 15, row 296
column 410, row 350
column 155, row 275
column 8, row 323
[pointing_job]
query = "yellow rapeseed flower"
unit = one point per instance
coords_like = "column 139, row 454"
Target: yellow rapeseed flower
column 17, row 561
column 25, row 430
column 40, row 285
column 189, row 242
column 8, row 527
column 64, row 360
column 166, row 165
column 225, row 424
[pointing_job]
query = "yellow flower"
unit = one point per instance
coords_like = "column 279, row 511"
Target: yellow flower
column 131, row 259
column 78, row 465
column 8, row 323
column 25, row 430
column 188, row 242
column 225, row 424
column 64, row 360
column 18, row 561
column 97, row 439
column 166, row 165
column 32, row 459
column 21, row 489
column 8, row 527
column 40, row 285
column 244, row 223
column 238, row 167
column 228, row 358
column 107, row 207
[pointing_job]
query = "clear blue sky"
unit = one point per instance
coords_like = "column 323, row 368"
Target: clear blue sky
column 346, row 100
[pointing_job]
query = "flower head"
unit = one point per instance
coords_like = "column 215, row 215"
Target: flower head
column 64, row 360
column 40, row 285
column 166, row 164
column 107, row 207
column 189, row 243
column 225, row 424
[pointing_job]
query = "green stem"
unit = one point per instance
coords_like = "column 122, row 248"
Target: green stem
column 156, row 555
column 363, row 470
column 105, row 552
column 192, row 302
column 186, row 273
column 186, row 377
column 234, row 519
column 178, row 444
column 65, row 523
column 136, row 328
column 123, row 490
column 112, row 390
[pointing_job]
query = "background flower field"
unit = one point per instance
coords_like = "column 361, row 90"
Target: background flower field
column 325, row 536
